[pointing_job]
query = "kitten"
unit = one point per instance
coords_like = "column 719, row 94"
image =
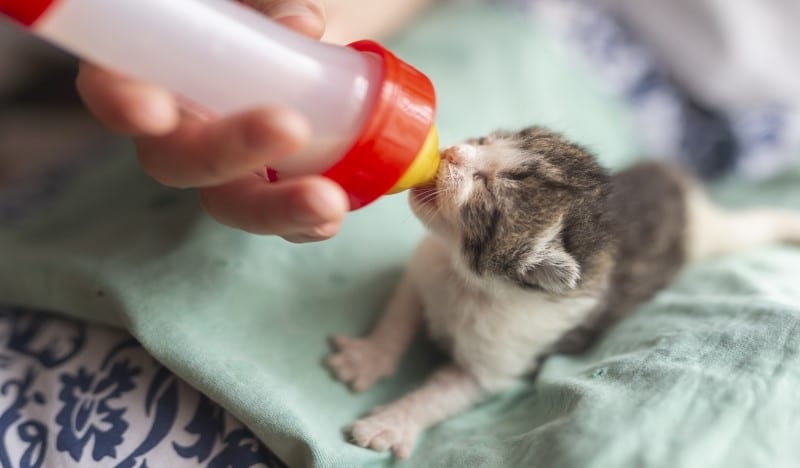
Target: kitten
column 532, row 249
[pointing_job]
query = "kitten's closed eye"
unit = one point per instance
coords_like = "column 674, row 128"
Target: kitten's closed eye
column 517, row 174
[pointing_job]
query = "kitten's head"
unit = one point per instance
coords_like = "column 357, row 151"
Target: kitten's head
column 526, row 207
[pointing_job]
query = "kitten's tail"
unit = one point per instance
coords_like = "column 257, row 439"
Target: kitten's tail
column 714, row 231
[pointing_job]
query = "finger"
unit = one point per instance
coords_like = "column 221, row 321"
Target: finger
column 124, row 105
column 302, row 206
column 336, row 360
column 316, row 234
column 345, row 372
column 362, row 383
column 381, row 442
column 341, row 341
column 203, row 154
column 304, row 16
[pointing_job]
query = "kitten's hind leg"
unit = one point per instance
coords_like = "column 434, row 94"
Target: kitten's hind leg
column 713, row 231
column 360, row 362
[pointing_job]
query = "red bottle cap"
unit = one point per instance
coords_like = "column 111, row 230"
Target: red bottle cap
column 394, row 134
column 25, row 12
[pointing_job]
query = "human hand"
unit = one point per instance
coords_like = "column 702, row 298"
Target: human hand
column 220, row 157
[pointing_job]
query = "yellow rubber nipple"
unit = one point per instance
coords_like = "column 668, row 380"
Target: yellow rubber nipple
column 423, row 170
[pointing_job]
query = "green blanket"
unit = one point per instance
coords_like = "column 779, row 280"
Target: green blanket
column 707, row 374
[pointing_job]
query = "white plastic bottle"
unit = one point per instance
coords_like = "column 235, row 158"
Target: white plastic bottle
column 371, row 114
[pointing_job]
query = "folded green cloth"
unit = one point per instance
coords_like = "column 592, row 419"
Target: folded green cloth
column 706, row 375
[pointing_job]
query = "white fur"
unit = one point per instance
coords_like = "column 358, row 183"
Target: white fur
column 493, row 330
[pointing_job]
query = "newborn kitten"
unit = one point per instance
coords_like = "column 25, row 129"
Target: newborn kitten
column 533, row 249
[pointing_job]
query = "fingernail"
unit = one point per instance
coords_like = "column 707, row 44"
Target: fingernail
column 319, row 233
column 157, row 115
column 325, row 231
column 320, row 206
column 289, row 9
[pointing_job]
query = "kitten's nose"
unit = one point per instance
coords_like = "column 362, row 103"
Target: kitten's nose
column 458, row 154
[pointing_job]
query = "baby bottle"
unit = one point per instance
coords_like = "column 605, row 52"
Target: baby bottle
column 371, row 114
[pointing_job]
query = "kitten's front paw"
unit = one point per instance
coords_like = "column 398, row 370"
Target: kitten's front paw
column 386, row 429
column 360, row 362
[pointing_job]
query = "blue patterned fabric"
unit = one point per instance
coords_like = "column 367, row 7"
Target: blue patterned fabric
column 73, row 394
column 754, row 142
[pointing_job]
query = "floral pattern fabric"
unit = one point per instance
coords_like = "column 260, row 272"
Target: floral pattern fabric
column 76, row 395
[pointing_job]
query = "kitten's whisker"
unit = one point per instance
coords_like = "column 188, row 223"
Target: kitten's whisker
column 432, row 194
column 430, row 212
column 428, row 197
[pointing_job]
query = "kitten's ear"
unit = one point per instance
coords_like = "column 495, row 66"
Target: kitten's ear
column 551, row 268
